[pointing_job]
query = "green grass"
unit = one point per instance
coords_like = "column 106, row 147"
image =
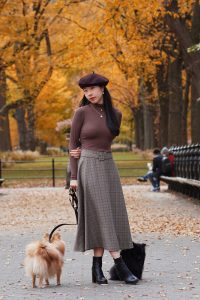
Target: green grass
column 128, row 163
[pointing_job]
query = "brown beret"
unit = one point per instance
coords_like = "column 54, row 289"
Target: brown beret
column 92, row 80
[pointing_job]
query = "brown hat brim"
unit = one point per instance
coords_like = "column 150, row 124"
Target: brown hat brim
column 93, row 80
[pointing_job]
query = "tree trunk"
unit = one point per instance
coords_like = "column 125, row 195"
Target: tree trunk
column 195, row 81
column 149, row 134
column 5, row 140
column 186, row 40
column 19, row 115
column 156, row 120
column 144, row 96
column 31, row 126
column 195, row 115
column 139, row 127
column 163, row 94
column 175, row 102
column 184, row 118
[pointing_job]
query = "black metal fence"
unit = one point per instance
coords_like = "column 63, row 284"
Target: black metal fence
column 187, row 161
column 187, row 170
column 11, row 171
column 53, row 169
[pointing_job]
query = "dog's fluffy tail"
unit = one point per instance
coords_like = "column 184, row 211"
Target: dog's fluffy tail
column 37, row 259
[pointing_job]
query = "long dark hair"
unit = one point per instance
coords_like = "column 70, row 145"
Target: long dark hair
column 111, row 117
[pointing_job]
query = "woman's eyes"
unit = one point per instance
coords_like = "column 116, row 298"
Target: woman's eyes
column 87, row 90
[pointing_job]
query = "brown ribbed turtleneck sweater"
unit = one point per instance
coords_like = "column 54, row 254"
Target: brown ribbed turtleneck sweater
column 90, row 131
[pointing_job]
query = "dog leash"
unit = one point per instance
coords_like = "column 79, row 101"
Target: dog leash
column 56, row 227
column 74, row 203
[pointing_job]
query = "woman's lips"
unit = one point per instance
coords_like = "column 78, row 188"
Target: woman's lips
column 92, row 98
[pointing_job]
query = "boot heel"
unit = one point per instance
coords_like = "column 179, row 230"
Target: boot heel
column 123, row 272
column 97, row 273
column 93, row 278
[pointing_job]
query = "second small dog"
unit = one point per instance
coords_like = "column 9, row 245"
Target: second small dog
column 44, row 259
column 134, row 259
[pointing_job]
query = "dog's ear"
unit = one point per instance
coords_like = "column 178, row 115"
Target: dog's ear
column 56, row 236
column 46, row 236
column 139, row 245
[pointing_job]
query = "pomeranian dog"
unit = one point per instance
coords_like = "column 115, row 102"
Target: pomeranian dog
column 44, row 259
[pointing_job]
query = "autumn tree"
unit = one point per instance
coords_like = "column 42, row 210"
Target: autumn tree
column 151, row 63
column 30, row 28
column 115, row 39
column 187, row 35
column 5, row 142
column 143, row 49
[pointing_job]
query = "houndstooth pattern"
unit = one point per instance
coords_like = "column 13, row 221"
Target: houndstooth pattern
column 102, row 215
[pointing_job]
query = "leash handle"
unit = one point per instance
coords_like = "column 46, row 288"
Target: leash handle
column 74, row 201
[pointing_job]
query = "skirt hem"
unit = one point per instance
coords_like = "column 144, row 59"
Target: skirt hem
column 105, row 248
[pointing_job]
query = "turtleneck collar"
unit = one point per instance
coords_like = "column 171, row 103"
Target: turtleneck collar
column 97, row 105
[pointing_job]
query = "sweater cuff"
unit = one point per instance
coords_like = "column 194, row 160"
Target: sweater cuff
column 73, row 182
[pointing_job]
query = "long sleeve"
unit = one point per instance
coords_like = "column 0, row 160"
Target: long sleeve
column 154, row 165
column 157, row 164
column 74, row 142
column 119, row 117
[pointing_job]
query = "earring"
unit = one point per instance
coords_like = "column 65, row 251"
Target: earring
column 103, row 93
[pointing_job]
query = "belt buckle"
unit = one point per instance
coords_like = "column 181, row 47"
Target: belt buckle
column 101, row 156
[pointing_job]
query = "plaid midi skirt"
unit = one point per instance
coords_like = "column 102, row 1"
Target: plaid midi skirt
column 102, row 215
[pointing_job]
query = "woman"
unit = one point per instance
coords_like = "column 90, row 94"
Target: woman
column 102, row 222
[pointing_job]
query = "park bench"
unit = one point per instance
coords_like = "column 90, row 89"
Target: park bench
column 190, row 187
column 1, row 181
column 187, row 171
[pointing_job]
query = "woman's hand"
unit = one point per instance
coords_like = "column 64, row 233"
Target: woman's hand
column 73, row 184
column 76, row 153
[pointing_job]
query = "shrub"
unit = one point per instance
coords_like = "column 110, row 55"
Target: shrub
column 147, row 154
column 119, row 148
column 54, row 151
column 10, row 157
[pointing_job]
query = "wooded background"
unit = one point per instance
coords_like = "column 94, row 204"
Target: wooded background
column 148, row 49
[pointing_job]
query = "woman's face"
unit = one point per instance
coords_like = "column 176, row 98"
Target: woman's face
column 94, row 94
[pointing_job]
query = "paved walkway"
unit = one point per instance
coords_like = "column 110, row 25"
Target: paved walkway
column 172, row 267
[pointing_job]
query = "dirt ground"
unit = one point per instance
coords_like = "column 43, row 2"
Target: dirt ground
column 168, row 224
column 149, row 212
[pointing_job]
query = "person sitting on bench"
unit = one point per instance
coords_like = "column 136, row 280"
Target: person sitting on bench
column 154, row 172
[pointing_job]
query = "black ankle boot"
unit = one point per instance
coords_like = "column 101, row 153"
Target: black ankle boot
column 123, row 272
column 97, row 273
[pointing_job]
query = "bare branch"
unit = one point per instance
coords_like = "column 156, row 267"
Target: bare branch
column 24, row 8
column 6, row 46
column 48, row 44
column 75, row 2
column 11, row 79
column 56, row 16
column 41, row 85
column 75, row 22
column 2, row 4
column 37, row 6
column 50, row 70
column 44, row 8
column 7, row 107
column 24, row 13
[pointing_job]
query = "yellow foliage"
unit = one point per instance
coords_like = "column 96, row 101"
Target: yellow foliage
column 53, row 43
